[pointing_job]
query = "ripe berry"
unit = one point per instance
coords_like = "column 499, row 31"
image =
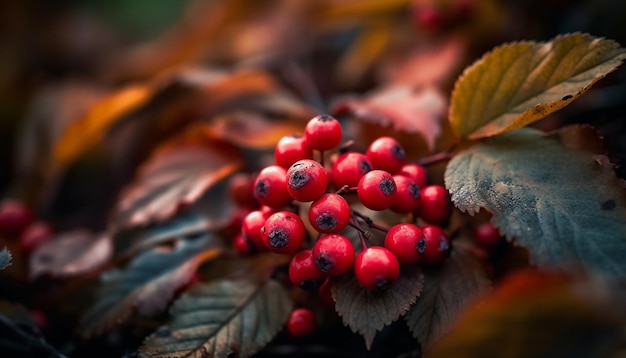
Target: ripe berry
column 487, row 236
column 304, row 273
column 242, row 245
column 333, row 254
column 435, row 246
column 349, row 168
column 15, row 216
column 427, row 17
column 408, row 196
column 435, row 204
column 301, row 322
column 386, row 154
column 35, row 235
column 401, row 240
column 306, row 180
column 376, row 268
column 283, row 232
column 270, row 187
column 415, row 172
column 290, row 149
column 377, row 190
column 323, row 132
column 241, row 190
column 251, row 228
column 325, row 295
column 330, row 213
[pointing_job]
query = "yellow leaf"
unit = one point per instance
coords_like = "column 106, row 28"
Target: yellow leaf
column 520, row 83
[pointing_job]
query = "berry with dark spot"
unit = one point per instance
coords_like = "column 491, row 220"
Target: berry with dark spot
column 415, row 172
column 270, row 187
column 401, row 240
column 408, row 197
column 330, row 213
column 386, row 153
column 435, row 245
column 306, row 180
column 376, row 268
column 323, row 132
column 377, row 190
column 304, row 273
column 349, row 168
column 333, row 254
column 283, row 232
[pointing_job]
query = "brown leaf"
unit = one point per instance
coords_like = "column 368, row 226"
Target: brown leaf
column 582, row 137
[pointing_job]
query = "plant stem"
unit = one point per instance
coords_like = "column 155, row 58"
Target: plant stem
column 370, row 222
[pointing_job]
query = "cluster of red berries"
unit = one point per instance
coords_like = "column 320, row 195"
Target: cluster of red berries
column 381, row 179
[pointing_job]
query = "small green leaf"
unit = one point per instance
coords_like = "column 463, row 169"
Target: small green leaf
column 367, row 312
column 447, row 291
column 5, row 258
column 222, row 319
column 519, row 83
column 147, row 284
column 562, row 205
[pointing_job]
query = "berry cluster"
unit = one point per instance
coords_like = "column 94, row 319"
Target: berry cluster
column 381, row 179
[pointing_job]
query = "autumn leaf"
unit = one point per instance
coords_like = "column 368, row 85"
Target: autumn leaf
column 5, row 258
column 367, row 312
column 519, row 83
column 561, row 204
column 147, row 284
column 220, row 319
column 72, row 253
column 448, row 290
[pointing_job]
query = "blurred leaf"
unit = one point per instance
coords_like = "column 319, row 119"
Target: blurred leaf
column 535, row 314
column 222, row 319
column 407, row 109
column 147, row 284
column 563, row 206
column 519, row 83
column 17, row 340
column 5, row 258
column 177, row 174
column 367, row 312
column 70, row 254
column 447, row 291
column 582, row 137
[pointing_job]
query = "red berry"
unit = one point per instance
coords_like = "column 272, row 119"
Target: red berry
column 283, row 232
column 301, row 323
column 408, row 196
column 415, row 172
column 251, row 228
column 376, row 268
column 270, row 187
column 241, row 190
column 377, row 190
column 15, row 216
column 330, row 213
column 435, row 246
column 428, row 17
column 242, row 245
column 323, row 132
column 325, row 294
column 349, row 168
column 333, row 254
column 386, row 154
column 487, row 236
column 304, row 273
column 401, row 240
column 290, row 149
column 35, row 235
column 435, row 204
column 306, row 180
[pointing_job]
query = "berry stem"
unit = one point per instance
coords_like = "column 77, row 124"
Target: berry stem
column 346, row 189
column 322, row 157
column 370, row 222
column 437, row 157
column 362, row 233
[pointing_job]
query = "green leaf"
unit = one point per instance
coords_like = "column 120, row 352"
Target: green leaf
column 447, row 291
column 562, row 205
column 5, row 258
column 519, row 83
column 147, row 284
column 222, row 319
column 367, row 312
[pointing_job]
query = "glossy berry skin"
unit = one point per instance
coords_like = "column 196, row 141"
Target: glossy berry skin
column 290, row 149
column 487, row 236
column 251, row 228
column 35, row 235
column 435, row 204
column 415, row 172
column 377, row 190
column 333, row 254
column 401, row 240
column 241, row 190
column 408, row 196
column 376, row 268
column 323, row 132
column 435, row 245
column 15, row 216
column 386, row 154
column 325, row 295
column 303, row 272
column 301, row 323
column 243, row 246
column 270, row 187
column 283, row 232
column 330, row 213
column 306, row 180
column 349, row 168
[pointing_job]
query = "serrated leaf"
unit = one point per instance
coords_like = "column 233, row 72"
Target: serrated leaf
column 367, row 312
column 5, row 258
column 221, row 319
column 147, row 284
column 519, row 83
column 447, row 291
column 72, row 253
column 559, row 203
